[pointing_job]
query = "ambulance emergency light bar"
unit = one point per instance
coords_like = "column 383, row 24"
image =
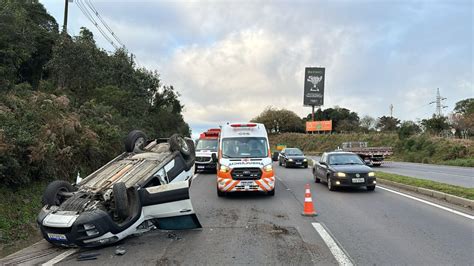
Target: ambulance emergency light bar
column 243, row 125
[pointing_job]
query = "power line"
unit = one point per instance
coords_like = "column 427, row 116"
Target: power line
column 94, row 10
column 86, row 13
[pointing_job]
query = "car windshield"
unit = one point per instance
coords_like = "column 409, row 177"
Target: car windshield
column 294, row 152
column 244, row 147
column 340, row 159
column 206, row 144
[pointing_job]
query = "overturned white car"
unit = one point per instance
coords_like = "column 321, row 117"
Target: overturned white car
column 145, row 187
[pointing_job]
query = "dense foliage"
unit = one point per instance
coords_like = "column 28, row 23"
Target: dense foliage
column 65, row 104
column 280, row 120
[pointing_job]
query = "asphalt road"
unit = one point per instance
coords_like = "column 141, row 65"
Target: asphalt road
column 460, row 176
column 378, row 227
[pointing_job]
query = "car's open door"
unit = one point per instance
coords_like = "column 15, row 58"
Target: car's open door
column 169, row 206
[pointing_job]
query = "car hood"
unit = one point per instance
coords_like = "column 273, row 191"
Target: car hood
column 352, row 168
column 295, row 156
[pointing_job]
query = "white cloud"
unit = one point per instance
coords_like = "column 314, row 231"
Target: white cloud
column 231, row 59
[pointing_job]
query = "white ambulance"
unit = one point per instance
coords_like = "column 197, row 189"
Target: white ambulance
column 244, row 161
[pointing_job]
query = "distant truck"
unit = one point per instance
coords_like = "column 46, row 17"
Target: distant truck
column 206, row 146
column 371, row 155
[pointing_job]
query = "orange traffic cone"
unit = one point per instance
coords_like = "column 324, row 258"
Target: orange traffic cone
column 308, row 203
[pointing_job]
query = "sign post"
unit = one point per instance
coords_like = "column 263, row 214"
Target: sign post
column 313, row 87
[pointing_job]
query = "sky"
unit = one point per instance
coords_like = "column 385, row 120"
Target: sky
column 229, row 60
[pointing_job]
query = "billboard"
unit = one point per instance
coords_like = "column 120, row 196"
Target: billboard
column 314, row 86
column 325, row 125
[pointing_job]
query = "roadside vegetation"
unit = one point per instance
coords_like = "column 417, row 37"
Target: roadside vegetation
column 422, row 148
column 65, row 107
column 463, row 192
column 430, row 140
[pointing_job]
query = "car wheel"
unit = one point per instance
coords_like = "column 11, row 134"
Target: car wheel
column 271, row 192
column 120, row 200
column 135, row 141
column 178, row 143
column 306, row 166
column 220, row 193
column 53, row 193
column 370, row 188
column 330, row 185
column 317, row 180
column 286, row 164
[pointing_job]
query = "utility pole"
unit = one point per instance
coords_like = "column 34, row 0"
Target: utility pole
column 439, row 104
column 66, row 6
column 391, row 110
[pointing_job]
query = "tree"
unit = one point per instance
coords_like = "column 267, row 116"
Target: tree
column 27, row 35
column 367, row 123
column 463, row 118
column 407, row 129
column 387, row 123
column 280, row 120
column 465, row 106
column 436, row 124
column 338, row 115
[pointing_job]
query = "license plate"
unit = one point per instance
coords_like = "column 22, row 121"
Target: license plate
column 59, row 237
column 246, row 183
column 201, row 167
column 358, row 180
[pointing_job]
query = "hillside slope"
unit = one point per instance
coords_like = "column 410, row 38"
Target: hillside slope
column 421, row 148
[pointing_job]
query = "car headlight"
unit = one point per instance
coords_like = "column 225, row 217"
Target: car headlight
column 340, row 174
column 305, row 160
column 290, row 160
column 268, row 168
column 371, row 173
column 224, row 169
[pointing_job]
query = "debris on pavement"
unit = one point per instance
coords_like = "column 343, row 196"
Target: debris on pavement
column 87, row 256
column 120, row 251
column 174, row 236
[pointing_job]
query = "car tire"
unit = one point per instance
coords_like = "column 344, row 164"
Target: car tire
column 220, row 193
column 271, row 192
column 120, row 200
column 330, row 185
column 317, row 180
column 306, row 166
column 370, row 188
column 286, row 164
column 178, row 143
column 135, row 141
column 51, row 195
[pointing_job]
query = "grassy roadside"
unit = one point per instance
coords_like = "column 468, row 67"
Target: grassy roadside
column 463, row 192
column 18, row 210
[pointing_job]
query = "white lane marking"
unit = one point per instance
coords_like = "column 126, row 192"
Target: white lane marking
column 60, row 257
column 429, row 203
column 336, row 251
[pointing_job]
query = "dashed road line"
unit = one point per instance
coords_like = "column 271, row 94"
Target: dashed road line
column 336, row 251
column 429, row 203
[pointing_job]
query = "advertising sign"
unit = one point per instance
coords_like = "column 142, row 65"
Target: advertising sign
column 314, row 86
column 325, row 125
